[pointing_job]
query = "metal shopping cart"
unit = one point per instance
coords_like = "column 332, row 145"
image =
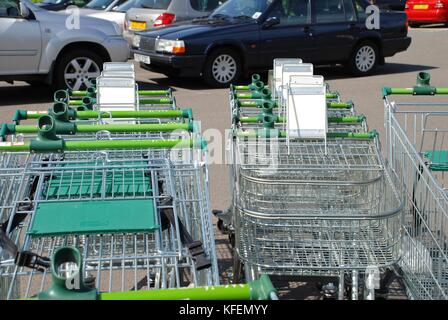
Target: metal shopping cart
column 312, row 200
column 416, row 150
column 307, row 212
column 139, row 215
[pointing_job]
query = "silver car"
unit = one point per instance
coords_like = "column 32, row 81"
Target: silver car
column 148, row 14
column 43, row 46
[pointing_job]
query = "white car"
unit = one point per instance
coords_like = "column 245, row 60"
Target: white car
column 111, row 10
column 44, row 46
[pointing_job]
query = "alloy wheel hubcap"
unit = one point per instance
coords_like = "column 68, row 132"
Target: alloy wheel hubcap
column 365, row 58
column 224, row 68
column 79, row 72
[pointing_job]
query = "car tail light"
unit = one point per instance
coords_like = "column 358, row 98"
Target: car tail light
column 439, row 5
column 164, row 19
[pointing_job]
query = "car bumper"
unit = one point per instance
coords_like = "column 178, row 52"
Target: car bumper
column 435, row 15
column 187, row 66
column 392, row 46
column 118, row 49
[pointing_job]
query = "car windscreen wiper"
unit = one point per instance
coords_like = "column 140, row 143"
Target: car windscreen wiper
column 243, row 17
column 220, row 16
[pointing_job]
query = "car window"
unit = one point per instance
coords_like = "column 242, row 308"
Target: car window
column 246, row 9
column 99, row 4
column 292, row 12
column 328, row 11
column 154, row 4
column 205, row 5
column 9, row 8
column 360, row 10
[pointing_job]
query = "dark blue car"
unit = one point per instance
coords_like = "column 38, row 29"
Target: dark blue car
column 246, row 35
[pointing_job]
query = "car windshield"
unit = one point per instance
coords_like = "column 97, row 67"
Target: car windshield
column 52, row 1
column 250, row 9
column 99, row 4
column 148, row 4
column 126, row 6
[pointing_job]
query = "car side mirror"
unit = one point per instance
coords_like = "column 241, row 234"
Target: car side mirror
column 24, row 11
column 271, row 21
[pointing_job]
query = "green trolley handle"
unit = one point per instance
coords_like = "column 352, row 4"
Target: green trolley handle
column 275, row 133
column 260, row 102
column 148, row 114
column 84, row 128
column 47, row 141
column 422, row 88
column 73, row 287
column 280, row 119
column 141, row 101
column 140, row 92
column 62, row 145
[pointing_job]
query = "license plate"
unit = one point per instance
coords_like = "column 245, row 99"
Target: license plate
column 142, row 58
column 421, row 6
column 138, row 25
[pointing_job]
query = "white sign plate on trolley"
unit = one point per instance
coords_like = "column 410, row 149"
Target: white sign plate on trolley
column 306, row 107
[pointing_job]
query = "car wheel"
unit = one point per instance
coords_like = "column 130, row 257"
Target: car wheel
column 222, row 68
column 364, row 59
column 76, row 69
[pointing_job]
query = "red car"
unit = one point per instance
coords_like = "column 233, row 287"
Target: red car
column 427, row 11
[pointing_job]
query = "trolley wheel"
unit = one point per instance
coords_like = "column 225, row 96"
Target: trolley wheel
column 232, row 239
column 220, row 225
column 238, row 269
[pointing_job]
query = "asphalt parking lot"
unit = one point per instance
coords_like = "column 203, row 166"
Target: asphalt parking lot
column 428, row 52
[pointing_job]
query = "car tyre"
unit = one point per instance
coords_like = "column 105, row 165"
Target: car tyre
column 222, row 68
column 77, row 66
column 364, row 59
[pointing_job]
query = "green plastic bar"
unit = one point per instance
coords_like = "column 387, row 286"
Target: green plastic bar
column 261, row 289
column 78, row 93
column 231, row 292
column 75, row 103
column 282, row 134
column 85, row 128
column 159, row 127
column 332, row 105
column 109, row 144
column 14, row 146
column 140, row 92
column 154, row 92
column 424, row 90
column 127, row 144
column 156, row 101
column 332, row 95
column 340, row 105
column 348, row 119
column 142, row 101
column 181, row 113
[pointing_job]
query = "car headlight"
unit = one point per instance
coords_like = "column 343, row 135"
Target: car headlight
column 136, row 41
column 170, row 46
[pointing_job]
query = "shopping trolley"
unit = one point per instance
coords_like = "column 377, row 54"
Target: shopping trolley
column 139, row 216
column 417, row 153
column 68, row 283
column 312, row 196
